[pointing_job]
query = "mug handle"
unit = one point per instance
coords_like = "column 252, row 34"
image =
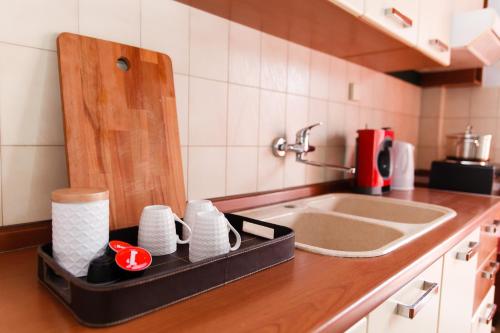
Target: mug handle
column 179, row 240
column 238, row 237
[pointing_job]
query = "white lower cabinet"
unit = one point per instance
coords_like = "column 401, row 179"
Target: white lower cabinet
column 481, row 322
column 359, row 327
column 413, row 309
column 457, row 286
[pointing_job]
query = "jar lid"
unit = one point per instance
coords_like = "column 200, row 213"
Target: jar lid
column 79, row 194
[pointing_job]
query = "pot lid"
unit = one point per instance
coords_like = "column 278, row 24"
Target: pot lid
column 465, row 135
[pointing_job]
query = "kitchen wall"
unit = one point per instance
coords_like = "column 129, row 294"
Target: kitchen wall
column 450, row 110
column 237, row 89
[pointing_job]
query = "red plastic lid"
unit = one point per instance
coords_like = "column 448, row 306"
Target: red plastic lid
column 117, row 245
column 133, row 259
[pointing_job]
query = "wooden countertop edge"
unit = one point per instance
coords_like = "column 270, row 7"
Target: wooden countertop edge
column 364, row 305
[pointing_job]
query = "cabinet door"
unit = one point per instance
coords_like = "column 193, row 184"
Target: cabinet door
column 359, row 327
column 435, row 29
column 397, row 17
column 355, row 7
column 481, row 323
column 423, row 294
column 458, row 284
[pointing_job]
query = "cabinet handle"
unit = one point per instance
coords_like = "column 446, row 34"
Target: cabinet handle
column 401, row 18
column 492, row 228
column 411, row 310
column 470, row 253
column 491, row 314
column 439, row 45
column 490, row 274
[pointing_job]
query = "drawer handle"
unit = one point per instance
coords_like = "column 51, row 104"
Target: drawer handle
column 491, row 314
column 439, row 45
column 490, row 274
column 401, row 18
column 411, row 310
column 470, row 253
column 492, row 228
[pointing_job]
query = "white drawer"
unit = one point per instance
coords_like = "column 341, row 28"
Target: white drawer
column 386, row 319
column 481, row 322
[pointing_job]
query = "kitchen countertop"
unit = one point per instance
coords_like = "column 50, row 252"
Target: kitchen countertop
column 311, row 292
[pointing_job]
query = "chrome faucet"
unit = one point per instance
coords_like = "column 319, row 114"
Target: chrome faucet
column 301, row 147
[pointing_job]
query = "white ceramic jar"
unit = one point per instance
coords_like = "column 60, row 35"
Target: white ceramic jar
column 80, row 227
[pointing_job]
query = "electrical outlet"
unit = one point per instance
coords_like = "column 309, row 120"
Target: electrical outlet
column 353, row 92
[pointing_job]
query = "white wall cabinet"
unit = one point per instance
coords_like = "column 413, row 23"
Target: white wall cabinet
column 414, row 308
column 435, row 29
column 481, row 322
column 458, row 283
column 399, row 18
column 355, row 7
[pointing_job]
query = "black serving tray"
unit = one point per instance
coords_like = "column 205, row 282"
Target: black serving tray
column 169, row 279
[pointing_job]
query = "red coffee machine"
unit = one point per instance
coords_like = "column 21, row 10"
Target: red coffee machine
column 373, row 160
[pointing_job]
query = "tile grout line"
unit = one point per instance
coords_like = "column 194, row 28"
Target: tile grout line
column 188, row 153
column 226, row 168
column 259, row 114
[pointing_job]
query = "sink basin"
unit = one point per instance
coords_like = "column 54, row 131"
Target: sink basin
column 380, row 208
column 336, row 233
column 353, row 225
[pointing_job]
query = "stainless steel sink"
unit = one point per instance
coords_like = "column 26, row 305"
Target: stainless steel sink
column 352, row 225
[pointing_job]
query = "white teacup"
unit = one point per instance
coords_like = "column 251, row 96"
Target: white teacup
column 210, row 236
column 194, row 207
column 157, row 230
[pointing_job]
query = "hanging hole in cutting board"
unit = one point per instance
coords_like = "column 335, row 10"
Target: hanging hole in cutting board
column 123, row 64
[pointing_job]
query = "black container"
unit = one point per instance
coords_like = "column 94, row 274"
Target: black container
column 169, row 279
column 103, row 269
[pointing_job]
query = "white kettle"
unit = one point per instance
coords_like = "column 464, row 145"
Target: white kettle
column 403, row 175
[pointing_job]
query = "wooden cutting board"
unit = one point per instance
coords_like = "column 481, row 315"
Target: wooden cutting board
column 120, row 125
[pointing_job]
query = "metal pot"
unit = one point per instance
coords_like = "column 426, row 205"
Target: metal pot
column 468, row 146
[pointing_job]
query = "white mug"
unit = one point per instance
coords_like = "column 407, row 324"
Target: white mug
column 210, row 236
column 194, row 207
column 157, row 230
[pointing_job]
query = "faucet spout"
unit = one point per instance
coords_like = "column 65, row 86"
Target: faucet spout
column 348, row 170
column 301, row 147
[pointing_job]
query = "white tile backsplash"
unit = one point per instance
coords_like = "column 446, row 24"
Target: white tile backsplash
column 295, row 173
column 274, row 57
column 29, row 97
column 243, row 116
column 270, row 170
column 237, row 89
column 271, row 117
column 206, row 172
column 37, row 23
column 319, row 75
column 165, row 28
column 207, row 112
column 209, row 45
column 114, row 20
column 318, row 113
column 244, row 55
column 298, row 69
column 296, row 115
column 241, row 176
column 31, row 174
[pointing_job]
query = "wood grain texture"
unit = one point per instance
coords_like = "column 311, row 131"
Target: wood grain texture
column 463, row 77
column 121, row 126
column 310, row 293
column 323, row 26
column 15, row 237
